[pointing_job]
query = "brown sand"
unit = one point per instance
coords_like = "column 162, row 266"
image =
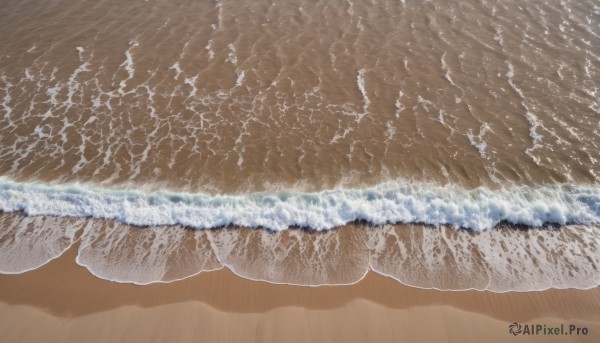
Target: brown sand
column 62, row 302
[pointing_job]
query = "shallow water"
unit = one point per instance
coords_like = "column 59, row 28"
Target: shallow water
column 275, row 114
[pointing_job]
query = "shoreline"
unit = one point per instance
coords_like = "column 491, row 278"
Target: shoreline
column 63, row 294
column 63, row 273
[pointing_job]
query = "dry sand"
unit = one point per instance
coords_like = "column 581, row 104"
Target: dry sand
column 62, row 302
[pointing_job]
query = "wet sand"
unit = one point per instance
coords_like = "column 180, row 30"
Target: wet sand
column 64, row 302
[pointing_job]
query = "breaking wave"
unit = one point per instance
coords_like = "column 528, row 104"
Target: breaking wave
column 392, row 202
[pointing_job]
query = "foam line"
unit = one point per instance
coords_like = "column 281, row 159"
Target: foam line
column 391, row 202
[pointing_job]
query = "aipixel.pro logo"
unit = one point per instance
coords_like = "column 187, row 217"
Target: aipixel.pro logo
column 516, row 329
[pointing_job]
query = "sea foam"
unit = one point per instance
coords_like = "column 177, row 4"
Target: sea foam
column 391, row 202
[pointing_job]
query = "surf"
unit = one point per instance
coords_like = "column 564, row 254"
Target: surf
column 390, row 202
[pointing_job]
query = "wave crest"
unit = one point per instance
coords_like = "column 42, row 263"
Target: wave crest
column 392, row 202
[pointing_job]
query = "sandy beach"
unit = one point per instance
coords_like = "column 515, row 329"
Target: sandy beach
column 63, row 302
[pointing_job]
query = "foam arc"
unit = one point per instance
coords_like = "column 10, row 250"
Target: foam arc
column 499, row 260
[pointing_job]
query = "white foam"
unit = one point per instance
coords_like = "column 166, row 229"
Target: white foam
column 120, row 253
column 392, row 202
column 339, row 136
column 531, row 118
column 27, row 243
column 293, row 256
column 177, row 69
column 80, row 51
column 535, row 124
column 360, row 81
column 208, row 47
column 128, row 65
column 499, row 260
column 240, row 78
column 231, row 58
column 447, row 70
column 498, row 36
column 191, row 81
column 350, row 9
column 6, row 101
column 478, row 141
column 391, row 131
column 399, row 106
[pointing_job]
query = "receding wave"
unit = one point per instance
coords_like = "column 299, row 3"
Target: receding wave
column 392, row 202
column 410, row 232
column 501, row 259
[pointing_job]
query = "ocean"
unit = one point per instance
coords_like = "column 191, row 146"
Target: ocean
column 446, row 144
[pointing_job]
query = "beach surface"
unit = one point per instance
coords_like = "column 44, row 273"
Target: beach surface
column 63, row 302
column 398, row 150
